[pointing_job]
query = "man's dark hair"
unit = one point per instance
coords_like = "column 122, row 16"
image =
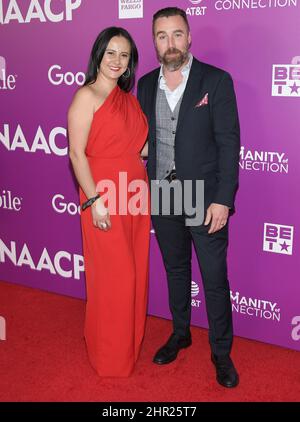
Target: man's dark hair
column 170, row 11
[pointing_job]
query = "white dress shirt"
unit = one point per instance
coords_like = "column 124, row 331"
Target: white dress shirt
column 174, row 96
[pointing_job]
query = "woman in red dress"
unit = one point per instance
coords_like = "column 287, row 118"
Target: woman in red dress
column 107, row 131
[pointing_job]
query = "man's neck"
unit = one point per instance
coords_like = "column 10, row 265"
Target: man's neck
column 174, row 78
column 174, row 73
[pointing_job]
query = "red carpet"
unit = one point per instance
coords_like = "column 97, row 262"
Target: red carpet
column 44, row 359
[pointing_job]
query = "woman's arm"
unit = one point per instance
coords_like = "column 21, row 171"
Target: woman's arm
column 80, row 117
column 144, row 152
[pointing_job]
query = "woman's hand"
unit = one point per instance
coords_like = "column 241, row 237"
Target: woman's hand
column 144, row 152
column 100, row 215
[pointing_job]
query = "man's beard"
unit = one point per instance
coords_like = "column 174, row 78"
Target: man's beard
column 175, row 61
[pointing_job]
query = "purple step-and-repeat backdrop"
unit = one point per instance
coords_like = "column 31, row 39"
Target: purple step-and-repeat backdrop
column 44, row 49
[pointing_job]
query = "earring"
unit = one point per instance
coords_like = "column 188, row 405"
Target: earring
column 126, row 74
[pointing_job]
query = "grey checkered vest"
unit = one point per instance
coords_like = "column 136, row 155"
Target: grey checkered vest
column 166, row 124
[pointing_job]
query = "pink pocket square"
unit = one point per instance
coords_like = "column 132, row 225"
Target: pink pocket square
column 203, row 102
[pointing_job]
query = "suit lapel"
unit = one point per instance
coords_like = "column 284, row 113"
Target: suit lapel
column 191, row 90
column 152, row 104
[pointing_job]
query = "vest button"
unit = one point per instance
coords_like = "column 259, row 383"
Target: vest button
column 173, row 131
column 172, row 118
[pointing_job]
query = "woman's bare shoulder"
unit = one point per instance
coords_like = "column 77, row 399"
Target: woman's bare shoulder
column 84, row 95
column 84, row 100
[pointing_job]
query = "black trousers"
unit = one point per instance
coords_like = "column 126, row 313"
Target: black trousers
column 175, row 242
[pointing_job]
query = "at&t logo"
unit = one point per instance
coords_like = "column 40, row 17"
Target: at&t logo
column 194, row 292
column 196, row 9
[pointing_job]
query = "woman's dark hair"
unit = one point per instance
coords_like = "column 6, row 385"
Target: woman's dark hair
column 97, row 53
column 170, row 11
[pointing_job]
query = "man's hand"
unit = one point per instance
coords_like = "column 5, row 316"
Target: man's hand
column 217, row 214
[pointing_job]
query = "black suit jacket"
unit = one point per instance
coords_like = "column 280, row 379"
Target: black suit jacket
column 207, row 141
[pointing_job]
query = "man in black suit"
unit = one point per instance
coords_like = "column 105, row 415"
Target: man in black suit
column 193, row 135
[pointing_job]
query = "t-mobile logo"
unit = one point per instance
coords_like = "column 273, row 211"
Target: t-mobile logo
column 7, row 82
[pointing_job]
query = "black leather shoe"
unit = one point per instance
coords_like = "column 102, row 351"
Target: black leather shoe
column 227, row 375
column 169, row 351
